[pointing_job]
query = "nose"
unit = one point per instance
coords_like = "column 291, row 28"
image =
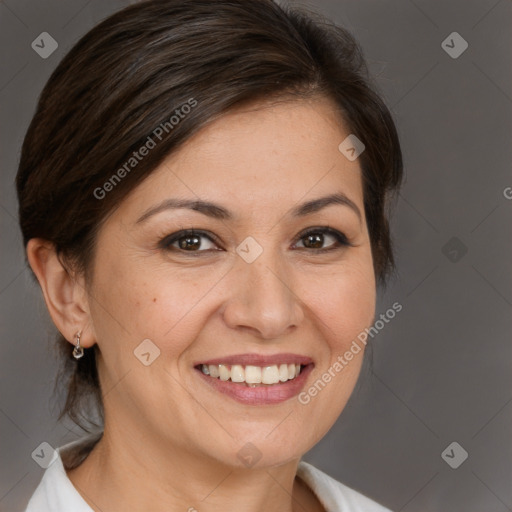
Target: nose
column 263, row 299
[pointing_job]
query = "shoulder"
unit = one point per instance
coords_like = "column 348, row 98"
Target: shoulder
column 55, row 492
column 335, row 496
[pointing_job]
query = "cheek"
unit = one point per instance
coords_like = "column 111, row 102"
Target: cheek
column 345, row 306
column 345, row 302
column 145, row 302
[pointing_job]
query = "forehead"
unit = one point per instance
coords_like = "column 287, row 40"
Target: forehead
column 259, row 158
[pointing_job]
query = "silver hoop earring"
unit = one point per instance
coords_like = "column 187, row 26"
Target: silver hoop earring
column 78, row 351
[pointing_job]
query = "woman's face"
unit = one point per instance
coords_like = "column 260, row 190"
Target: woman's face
column 251, row 289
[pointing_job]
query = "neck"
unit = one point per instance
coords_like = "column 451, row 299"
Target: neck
column 118, row 475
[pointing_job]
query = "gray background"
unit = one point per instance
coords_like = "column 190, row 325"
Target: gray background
column 442, row 365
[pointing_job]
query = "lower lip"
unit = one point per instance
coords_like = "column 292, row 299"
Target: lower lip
column 260, row 395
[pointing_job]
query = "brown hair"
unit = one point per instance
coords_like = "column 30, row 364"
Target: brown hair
column 136, row 69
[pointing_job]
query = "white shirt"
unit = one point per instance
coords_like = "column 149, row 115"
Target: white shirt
column 56, row 493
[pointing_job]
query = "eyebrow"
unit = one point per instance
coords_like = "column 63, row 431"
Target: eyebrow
column 218, row 212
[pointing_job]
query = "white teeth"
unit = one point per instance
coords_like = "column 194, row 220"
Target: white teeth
column 270, row 375
column 224, row 373
column 237, row 373
column 252, row 375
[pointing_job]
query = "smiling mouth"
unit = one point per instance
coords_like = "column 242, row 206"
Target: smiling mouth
column 252, row 376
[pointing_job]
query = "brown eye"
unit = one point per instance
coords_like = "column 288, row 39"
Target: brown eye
column 315, row 238
column 187, row 241
column 314, row 241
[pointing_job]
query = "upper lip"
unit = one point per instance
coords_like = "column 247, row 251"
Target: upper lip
column 259, row 359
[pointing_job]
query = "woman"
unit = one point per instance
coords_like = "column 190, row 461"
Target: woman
column 203, row 194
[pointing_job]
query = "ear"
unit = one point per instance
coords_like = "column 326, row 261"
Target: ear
column 64, row 292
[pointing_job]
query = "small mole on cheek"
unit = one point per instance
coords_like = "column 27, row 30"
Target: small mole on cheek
column 154, row 299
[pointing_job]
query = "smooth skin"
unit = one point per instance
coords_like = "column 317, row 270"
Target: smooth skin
column 170, row 441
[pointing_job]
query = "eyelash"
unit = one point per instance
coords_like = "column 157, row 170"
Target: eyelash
column 167, row 241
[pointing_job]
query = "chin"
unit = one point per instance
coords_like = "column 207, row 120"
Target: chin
column 259, row 448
